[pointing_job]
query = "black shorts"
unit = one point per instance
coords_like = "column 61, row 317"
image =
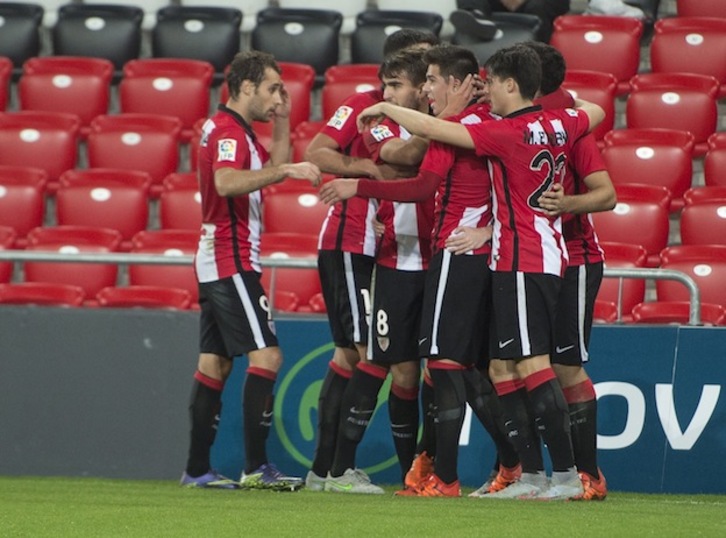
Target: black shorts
column 396, row 317
column 574, row 314
column 346, row 281
column 455, row 318
column 235, row 316
column 523, row 314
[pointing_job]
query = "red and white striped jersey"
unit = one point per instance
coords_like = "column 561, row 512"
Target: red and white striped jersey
column 528, row 151
column 230, row 235
column 406, row 241
column 348, row 226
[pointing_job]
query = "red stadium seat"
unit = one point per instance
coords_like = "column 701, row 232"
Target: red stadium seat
column 705, row 264
column 42, row 293
column 698, row 195
column 144, row 142
column 40, row 139
column 169, row 86
column 167, row 243
column 604, row 312
column 77, row 85
column 301, row 137
column 653, row 194
column 714, row 165
column 105, row 177
column 303, row 283
column 700, row 8
column 22, row 199
column 637, row 222
column 286, row 301
column 661, row 157
column 629, row 291
column 181, row 180
column 144, row 297
column 72, row 240
column 317, row 304
column 704, row 223
column 293, row 212
column 342, row 81
column 605, row 44
column 598, row 88
column 7, row 240
column 6, row 73
column 677, row 312
column 123, row 208
column 181, row 209
column 690, row 45
column 681, row 101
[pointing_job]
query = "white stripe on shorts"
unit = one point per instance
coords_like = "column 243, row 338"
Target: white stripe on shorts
column 522, row 315
column 440, row 289
column 250, row 311
column 352, row 295
column 581, row 304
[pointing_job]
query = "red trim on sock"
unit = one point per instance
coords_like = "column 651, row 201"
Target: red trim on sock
column 262, row 372
column 503, row 388
column 342, row 372
column 404, row 393
column 441, row 365
column 582, row 392
column 214, row 384
column 372, row 369
column 428, row 380
column 519, row 383
column 532, row 381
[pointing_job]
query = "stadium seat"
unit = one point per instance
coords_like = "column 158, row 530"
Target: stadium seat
column 714, row 164
column 604, row 312
column 285, row 301
column 99, row 30
column 307, row 36
column 690, row 45
column 119, row 207
column 512, row 28
column 207, row 33
column 144, row 297
column 680, row 101
column 293, row 212
column 20, row 32
column 75, row 85
column 317, row 304
column 106, row 177
column 705, row 264
column 6, row 74
column 303, row 283
column 652, row 194
column 704, row 223
column 73, row 240
column 700, row 8
column 605, row 44
column 146, row 142
column 677, row 312
column 46, row 140
column 661, row 157
column 168, row 86
column 637, row 222
column 167, row 243
column 299, row 80
column 8, row 237
column 598, row 88
column 22, row 200
column 342, row 81
column 699, row 195
column 181, row 180
column 626, row 292
column 180, row 209
column 42, row 293
column 301, row 138
column 373, row 26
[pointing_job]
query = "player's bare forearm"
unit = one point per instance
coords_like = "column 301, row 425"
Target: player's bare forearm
column 595, row 112
column 404, row 152
column 232, row 182
column 280, row 148
column 599, row 197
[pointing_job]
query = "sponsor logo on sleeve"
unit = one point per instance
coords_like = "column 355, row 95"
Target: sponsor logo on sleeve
column 340, row 117
column 381, row 132
column 226, row 149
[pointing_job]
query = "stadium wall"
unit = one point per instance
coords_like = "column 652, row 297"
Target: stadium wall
column 105, row 393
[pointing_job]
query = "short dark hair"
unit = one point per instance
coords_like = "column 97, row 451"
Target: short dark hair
column 408, row 62
column 553, row 65
column 453, row 61
column 407, row 37
column 249, row 65
column 519, row 63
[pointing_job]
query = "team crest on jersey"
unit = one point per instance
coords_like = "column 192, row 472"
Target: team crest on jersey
column 340, row 117
column 383, row 343
column 226, row 149
column 381, row 132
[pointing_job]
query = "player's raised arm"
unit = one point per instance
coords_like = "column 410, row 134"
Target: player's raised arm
column 593, row 111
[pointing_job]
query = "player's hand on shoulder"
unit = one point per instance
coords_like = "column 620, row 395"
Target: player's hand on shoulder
column 370, row 116
column 338, row 190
